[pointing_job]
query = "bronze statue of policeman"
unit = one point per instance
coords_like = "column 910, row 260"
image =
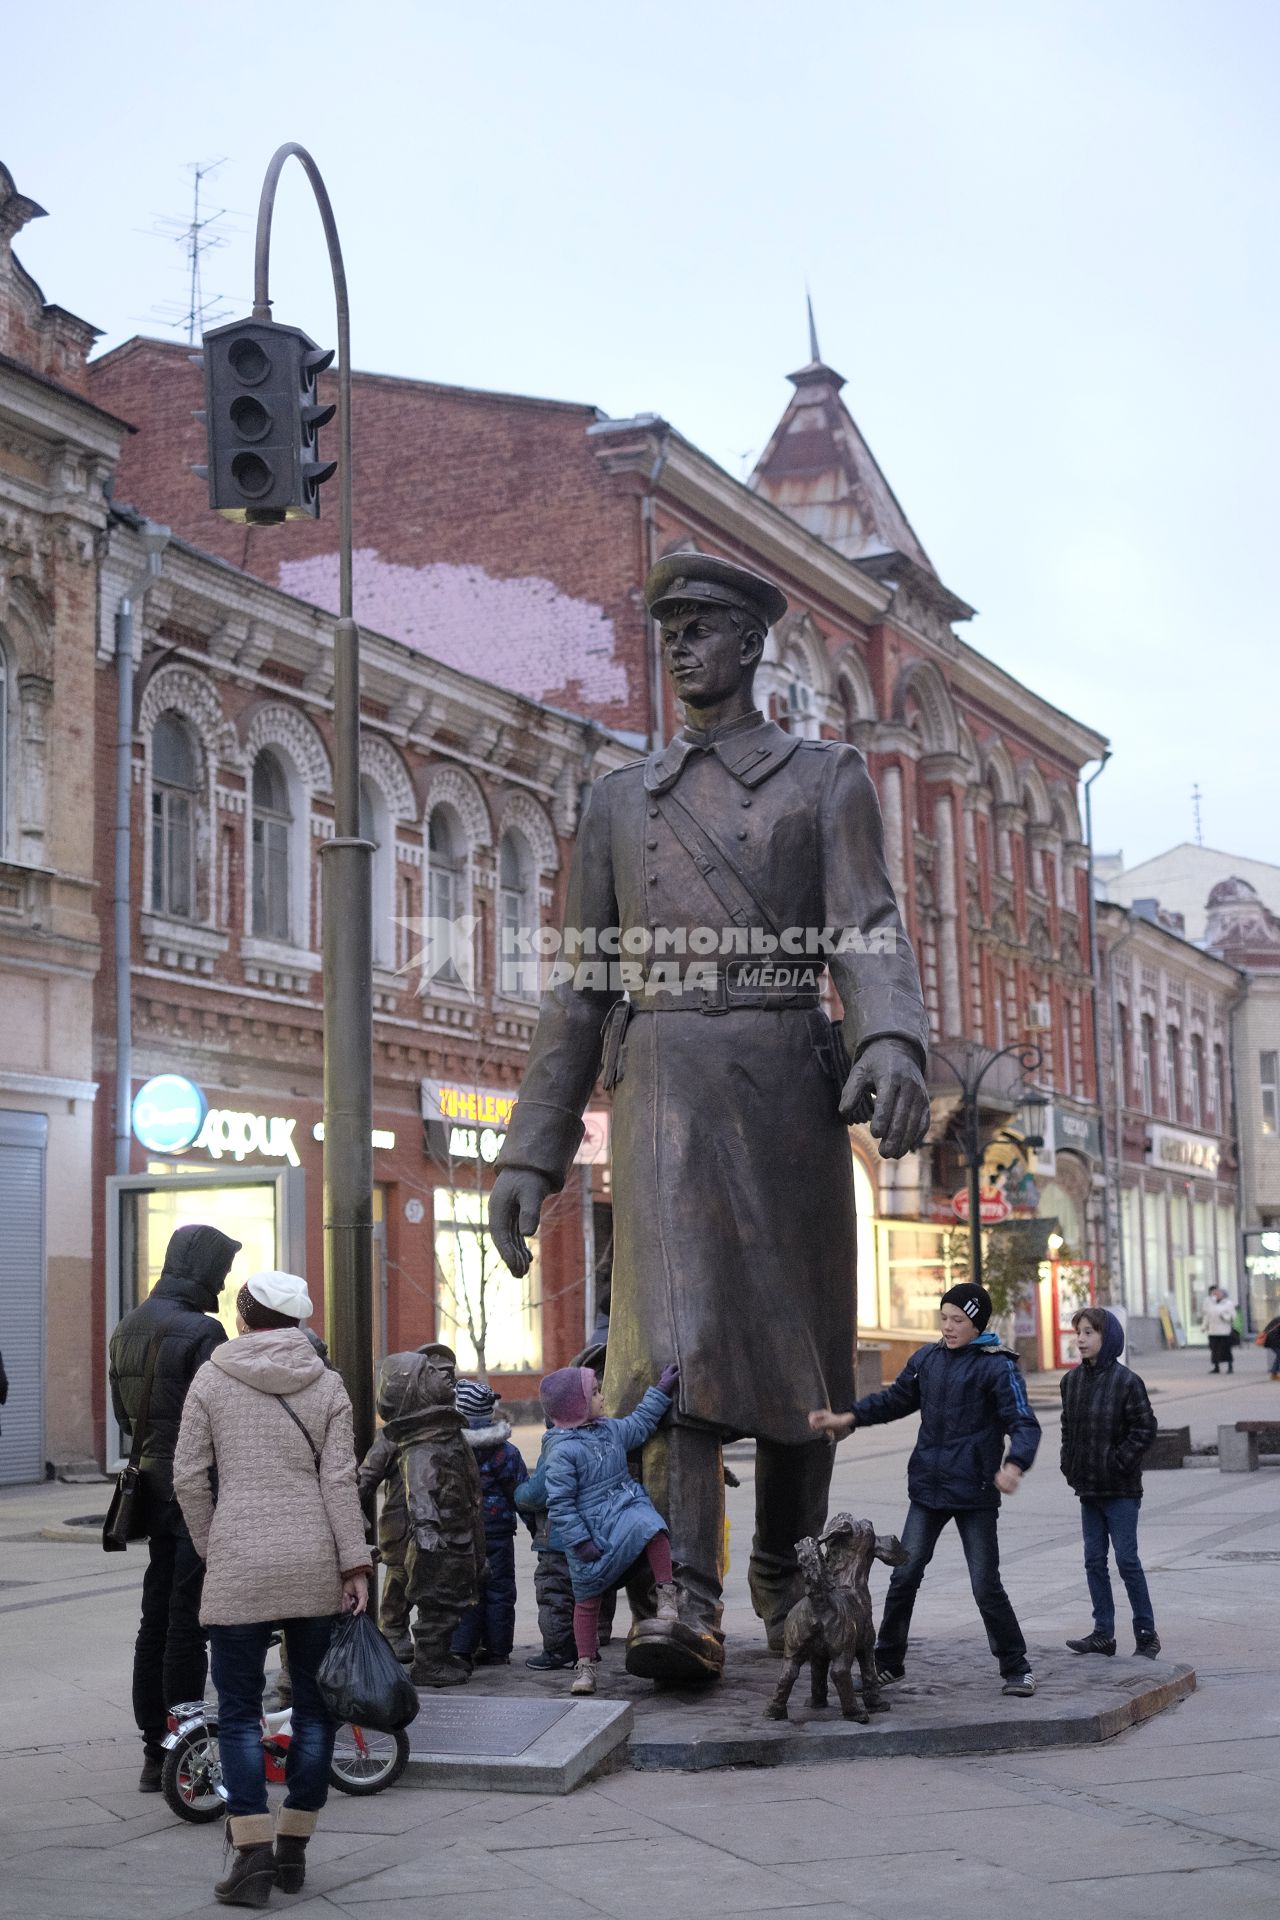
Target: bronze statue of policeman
column 733, row 867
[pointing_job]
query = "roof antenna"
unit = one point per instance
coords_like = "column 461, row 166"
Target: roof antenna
column 815, row 358
column 1195, row 811
column 196, row 236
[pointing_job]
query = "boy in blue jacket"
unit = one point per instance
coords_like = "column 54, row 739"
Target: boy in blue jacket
column 969, row 1394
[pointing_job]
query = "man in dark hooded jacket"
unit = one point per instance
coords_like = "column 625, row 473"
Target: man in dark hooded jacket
column 170, row 1663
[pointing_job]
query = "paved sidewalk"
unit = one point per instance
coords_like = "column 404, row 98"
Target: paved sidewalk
column 1172, row 1821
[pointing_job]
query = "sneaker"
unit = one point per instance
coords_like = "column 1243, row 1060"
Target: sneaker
column 584, row 1680
column 1094, row 1642
column 551, row 1662
column 486, row 1659
column 667, row 1607
column 1020, row 1685
column 1147, row 1645
column 887, row 1676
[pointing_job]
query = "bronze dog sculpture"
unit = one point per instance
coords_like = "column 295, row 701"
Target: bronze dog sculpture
column 831, row 1626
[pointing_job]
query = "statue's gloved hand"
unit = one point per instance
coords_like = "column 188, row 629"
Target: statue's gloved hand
column 890, row 1071
column 667, row 1378
column 589, row 1551
column 514, row 1206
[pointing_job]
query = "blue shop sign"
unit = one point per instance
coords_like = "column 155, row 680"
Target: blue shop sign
column 168, row 1113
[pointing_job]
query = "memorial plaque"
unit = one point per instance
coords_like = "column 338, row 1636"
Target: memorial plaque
column 482, row 1726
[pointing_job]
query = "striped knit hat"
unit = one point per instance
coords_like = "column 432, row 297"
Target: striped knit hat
column 474, row 1398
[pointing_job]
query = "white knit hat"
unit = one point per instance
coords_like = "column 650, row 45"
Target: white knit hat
column 283, row 1292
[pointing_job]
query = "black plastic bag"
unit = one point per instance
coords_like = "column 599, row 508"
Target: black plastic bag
column 361, row 1681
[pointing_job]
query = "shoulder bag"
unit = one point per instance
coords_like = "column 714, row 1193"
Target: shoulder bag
column 124, row 1519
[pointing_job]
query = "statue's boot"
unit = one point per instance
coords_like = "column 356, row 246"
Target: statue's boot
column 675, row 1652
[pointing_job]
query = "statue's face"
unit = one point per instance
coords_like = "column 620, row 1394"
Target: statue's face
column 705, row 655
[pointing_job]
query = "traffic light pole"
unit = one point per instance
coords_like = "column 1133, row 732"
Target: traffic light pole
column 970, row 1077
column 347, row 901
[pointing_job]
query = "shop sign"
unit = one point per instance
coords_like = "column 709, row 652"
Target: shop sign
column 992, row 1207
column 465, row 1122
column 1179, row 1152
column 168, row 1113
column 240, row 1134
column 1077, row 1132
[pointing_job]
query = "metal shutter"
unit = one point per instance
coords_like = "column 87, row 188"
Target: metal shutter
column 23, row 1138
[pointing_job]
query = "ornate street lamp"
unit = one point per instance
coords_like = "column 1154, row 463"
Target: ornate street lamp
column 970, row 1075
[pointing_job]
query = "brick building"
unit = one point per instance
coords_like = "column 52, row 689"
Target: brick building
column 57, row 449
column 517, row 532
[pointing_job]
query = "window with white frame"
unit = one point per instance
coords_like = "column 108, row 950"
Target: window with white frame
column 444, row 891
column 517, row 917
column 272, row 829
column 174, row 785
column 798, row 703
column 1196, row 1087
column 1173, row 1072
column 1147, row 1061
column 1269, row 1074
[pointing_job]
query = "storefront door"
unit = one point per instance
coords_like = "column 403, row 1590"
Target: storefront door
column 260, row 1207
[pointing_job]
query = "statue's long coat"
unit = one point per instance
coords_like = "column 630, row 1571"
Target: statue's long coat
column 732, row 1185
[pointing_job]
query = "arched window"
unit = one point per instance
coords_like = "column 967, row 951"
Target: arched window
column 517, row 916
column 174, row 778
column 444, row 875
column 1197, row 1081
column 797, row 702
column 272, row 827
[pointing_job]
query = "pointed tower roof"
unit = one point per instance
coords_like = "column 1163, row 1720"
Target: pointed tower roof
column 820, row 470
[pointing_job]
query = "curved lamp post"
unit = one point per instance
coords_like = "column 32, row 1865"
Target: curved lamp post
column 970, row 1078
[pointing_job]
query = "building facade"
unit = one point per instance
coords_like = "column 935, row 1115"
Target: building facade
column 1167, row 1016
column 57, row 452
column 519, row 532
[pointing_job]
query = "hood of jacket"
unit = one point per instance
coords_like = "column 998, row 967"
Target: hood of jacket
column 491, row 1434
column 1112, row 1344
column 425, row 1423
column 986, row 1342
column 279, row 1360
column 196, row 1263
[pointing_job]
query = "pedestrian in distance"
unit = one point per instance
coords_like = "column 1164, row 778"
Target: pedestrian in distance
column 1107, row 1426
column 486, row 1632
column 270, row 1426
column 601, row 1513
column 380, row 1469
column 173, row 1334
column 1270, row 1339
column 970, row 1396
column 1219, row 1321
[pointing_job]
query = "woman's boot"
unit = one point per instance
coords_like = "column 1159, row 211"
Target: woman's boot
column 294, row 1827
column 253, row 1870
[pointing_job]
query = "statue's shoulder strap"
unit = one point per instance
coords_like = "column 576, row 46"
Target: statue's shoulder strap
column 716, row 865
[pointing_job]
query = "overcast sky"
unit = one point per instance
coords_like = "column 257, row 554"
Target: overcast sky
column 1040, row 236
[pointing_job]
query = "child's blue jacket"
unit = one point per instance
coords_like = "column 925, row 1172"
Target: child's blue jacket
column 592, row 1496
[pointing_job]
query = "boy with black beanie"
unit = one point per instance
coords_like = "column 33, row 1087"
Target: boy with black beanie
column 970, row 1395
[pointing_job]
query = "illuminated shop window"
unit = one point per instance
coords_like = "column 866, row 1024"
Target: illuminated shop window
column 492, row 1320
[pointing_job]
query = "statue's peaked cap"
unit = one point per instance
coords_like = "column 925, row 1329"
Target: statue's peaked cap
column 718, row 583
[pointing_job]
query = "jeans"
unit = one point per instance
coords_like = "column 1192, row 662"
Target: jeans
column 239, row 1674
column 977, row 1529
column 1117, row 1521
column 490, row 1621
column 169, row 1659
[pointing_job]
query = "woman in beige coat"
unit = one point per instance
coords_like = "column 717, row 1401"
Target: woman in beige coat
column 269, row 1426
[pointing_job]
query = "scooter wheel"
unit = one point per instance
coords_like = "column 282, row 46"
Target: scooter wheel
column 365, row 1761
column 191, row 1776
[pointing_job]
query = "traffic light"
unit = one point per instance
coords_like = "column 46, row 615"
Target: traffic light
column 263, row 417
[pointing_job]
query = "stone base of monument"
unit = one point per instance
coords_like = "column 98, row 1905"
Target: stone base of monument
column 528, row 1742
column 949, row 1703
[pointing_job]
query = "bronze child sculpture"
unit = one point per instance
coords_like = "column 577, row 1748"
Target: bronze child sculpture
column 740, row 863
column 833, row 1626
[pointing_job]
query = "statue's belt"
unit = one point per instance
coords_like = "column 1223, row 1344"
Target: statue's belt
column 722, row 991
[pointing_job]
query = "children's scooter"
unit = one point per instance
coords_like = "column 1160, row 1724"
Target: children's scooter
column 363, row 1762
